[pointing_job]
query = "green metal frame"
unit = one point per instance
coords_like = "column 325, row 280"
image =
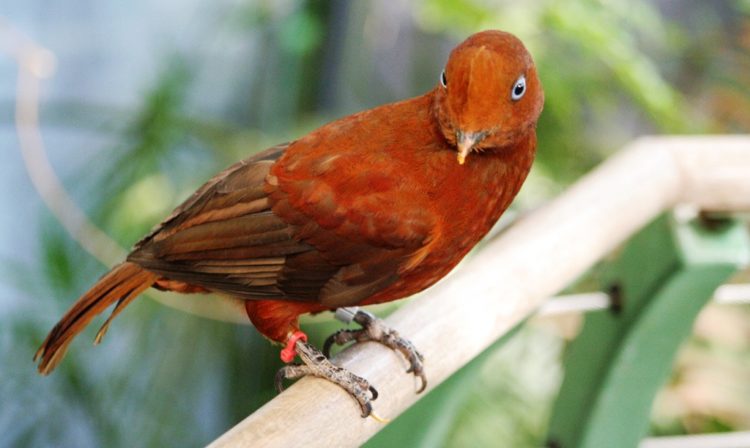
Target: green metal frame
column 621, row 358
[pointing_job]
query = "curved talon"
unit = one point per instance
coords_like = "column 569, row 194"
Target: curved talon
column 417, row 369
column 423, row 379
column 373, row 393
column 366, row 409
column 291, row 371
column 278, row 380
column 329, row 343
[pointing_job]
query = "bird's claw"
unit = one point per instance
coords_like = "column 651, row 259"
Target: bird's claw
column 316, row 364
column 374, row 329
column 418, row 372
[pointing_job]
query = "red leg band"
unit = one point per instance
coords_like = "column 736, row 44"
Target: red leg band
column 290, row 350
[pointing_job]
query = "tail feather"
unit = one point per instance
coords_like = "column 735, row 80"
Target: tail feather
column 122, row 284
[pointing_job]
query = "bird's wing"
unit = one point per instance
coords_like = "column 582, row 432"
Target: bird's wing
column 233, row 237
column 245, row 177
column 225, row 237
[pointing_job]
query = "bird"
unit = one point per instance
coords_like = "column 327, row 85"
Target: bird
column 369, row 208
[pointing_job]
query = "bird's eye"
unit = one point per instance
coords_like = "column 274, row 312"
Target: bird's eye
column 519, row 88
column 443, row 80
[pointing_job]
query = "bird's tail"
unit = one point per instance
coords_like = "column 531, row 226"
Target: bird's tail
column 122, row 284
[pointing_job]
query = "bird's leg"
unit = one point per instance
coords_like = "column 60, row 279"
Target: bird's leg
column 316, row 364
column 374, row 329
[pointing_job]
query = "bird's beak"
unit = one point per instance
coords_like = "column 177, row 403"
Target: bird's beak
column 465, row 141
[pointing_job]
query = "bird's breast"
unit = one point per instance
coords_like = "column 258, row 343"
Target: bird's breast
column 468, row 200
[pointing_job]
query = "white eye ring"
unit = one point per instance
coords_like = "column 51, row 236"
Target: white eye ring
column 443, row 80
column 519, row 88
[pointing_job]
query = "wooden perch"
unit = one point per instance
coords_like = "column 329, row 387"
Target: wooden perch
column 507, row 281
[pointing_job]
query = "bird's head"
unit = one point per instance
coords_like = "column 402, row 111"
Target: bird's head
column 488, row 93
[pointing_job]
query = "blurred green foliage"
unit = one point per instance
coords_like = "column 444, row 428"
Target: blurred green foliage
column 612, row 70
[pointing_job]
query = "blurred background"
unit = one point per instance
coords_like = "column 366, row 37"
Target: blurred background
column 142, row 101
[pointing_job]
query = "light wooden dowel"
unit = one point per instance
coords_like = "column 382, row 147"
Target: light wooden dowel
column 506, row 282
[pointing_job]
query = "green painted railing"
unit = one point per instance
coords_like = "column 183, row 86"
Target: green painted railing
column 617, row 364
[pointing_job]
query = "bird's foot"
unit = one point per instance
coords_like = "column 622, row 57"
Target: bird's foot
column 374, row 329
column 317, row 364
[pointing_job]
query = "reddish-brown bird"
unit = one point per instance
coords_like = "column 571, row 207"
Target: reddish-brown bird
column 370, row 208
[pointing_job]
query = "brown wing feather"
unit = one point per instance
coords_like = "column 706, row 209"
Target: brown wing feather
column 241, row 235
column 226, row 239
